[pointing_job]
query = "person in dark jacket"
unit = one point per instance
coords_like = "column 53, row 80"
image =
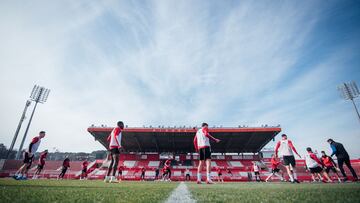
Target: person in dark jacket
column 342, row 157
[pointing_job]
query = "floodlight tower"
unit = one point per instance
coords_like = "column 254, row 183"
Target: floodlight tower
column 349, row 91
column 28, row 102
column 38, row 95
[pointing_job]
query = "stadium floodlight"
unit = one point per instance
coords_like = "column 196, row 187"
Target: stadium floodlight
column 38, row 95
column 350, row 91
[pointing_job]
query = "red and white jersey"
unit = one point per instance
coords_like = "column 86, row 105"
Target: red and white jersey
column 256, row 168
column 285, row 148
column 35, row 143
column 202, row 138
column 312, row 161
column 115, row 138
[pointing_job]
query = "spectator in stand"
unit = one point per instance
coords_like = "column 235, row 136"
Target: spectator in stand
column 41, row 164
column 256, row 170
column 342, row 157
column 274, row 168
column 142, row 177
column 219, row 172
column 315, row 166
column 187, row 174
column 65, row 166
column 21, row 174
column 83, row 175
column 120, row 170
column 329, row 164
column 287, row 150
column 157, row 171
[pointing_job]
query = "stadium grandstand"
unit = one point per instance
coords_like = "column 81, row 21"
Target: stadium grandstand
column 149, row 147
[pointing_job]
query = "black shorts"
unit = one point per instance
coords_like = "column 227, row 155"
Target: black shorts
column 317, row 169
column 40, row 166
column 205, row 153
column 84, row 170
column 28, row 159
column 114, row 151
column 289, row 160
column 257, row 173
column 331, row 168
column 64, row 169
column 120, row 173
column 219, row 174
column 275, row 170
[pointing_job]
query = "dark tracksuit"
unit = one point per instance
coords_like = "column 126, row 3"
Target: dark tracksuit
column 342, row 157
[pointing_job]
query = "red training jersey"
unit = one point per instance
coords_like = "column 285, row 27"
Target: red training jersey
column 274, row 163
column 327, row 161
column 85, row 164
column 42, row 158
column 66, row 163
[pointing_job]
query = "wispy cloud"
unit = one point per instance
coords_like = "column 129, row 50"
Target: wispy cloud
column 166, row 63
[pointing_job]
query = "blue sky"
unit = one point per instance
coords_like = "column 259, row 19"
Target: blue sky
column 172, row 63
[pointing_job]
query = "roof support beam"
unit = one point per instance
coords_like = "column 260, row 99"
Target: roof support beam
column 248, row 142
column 228, row 142
column 138, row 143
column 156, row 141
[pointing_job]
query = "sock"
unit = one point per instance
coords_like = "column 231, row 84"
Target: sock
column 291, row 178
column 208, row 176
column 295, row 175
column 199, row 176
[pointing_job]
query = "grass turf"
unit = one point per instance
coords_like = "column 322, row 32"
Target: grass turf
column 276, row 192
column 83, row 191
column 97, row 191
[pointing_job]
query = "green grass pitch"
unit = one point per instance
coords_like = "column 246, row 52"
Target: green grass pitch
column 97, row 191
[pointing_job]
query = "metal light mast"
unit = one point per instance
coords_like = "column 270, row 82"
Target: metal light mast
column 38, row 95
column 28, row 102
column 349, row 91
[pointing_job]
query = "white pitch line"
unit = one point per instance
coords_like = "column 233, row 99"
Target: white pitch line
column 180, row 194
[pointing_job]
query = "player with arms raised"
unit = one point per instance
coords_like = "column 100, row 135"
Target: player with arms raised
column 202, row 145
column 287, row 149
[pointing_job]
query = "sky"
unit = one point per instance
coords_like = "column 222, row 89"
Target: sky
column 178, row 63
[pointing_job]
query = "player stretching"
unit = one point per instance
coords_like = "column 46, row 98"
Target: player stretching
column 120, row 170
column 64, row 168
column 202, row 145
column 274, row 168
column 315, row 166
column 83, row 175
column 220, row 177
column 329, row 164
column 286, row 149
column 114, row 145
column 256, row 170
column 41, row 164
column 28, row 157
column 166, row 171
column 142, row 177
